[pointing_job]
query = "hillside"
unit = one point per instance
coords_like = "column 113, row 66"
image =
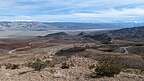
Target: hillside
column 64, row 56
column 132, row 34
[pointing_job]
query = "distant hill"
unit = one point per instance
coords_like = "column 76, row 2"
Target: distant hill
column 66, row 38
column 134, row 34
column 44, row 26
column 130, row 34
column 81, row 37
column 102, row 37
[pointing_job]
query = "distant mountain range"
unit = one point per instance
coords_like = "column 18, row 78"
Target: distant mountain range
column 44, row 26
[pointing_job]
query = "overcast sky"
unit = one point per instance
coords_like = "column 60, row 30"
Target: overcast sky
column 72, row 10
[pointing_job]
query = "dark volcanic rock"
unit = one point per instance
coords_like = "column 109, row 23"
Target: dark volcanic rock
column 59, row 34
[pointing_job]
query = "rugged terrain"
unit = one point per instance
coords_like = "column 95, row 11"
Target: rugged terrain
column 71, row 57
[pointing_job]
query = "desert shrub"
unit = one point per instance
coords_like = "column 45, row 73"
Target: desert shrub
column 12, row 66
column 38, row 64
column 107, row 67
column 65, row 66
column 128, row 61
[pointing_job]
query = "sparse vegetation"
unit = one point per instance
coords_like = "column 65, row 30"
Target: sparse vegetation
column 38, row 64
column 107, row 68
column 128, row 61
column 71, row 57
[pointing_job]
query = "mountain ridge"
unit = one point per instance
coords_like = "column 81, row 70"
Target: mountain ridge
column 134, row 34
column 44, row 26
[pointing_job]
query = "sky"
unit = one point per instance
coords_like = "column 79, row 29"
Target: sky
column 97, row 11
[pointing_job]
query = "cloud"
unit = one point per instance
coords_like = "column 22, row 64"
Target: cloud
column 72, row 10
